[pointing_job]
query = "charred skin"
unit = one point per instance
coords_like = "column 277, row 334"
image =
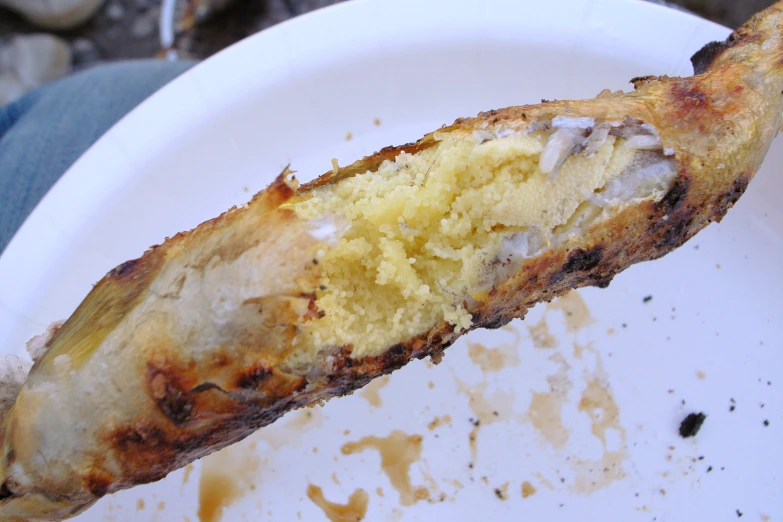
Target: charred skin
column 177, row 407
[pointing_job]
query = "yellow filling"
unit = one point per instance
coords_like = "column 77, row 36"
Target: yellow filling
column 424, row 227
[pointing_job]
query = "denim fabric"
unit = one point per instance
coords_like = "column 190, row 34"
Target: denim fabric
column 45, row 132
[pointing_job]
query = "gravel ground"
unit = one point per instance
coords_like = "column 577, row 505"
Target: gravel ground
column 129, row 28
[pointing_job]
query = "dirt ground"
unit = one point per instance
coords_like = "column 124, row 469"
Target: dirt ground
column 129, row 28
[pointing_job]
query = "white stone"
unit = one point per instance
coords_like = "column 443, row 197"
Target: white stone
column 54, row 14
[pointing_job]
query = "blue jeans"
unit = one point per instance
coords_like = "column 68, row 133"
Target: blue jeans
column 45, row 132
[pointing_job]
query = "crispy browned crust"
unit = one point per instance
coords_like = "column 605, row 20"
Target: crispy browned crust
column 163, row 403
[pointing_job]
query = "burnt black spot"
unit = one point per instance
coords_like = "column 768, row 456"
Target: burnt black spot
column 579, row 260
column 676, row 195
column 728, row 199
column 5, row 492
column 691, row 424
column 640, row 81
column 170, row 399
column 675, row 234
column 98, row 483
column 495, row 323
column 125, row 268
column 704, row 57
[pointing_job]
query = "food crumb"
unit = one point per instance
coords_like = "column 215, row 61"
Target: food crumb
column 377, row 122
column 691, row 424
column 140, row 504
column 732, row 408
column 347, row 432
column 701, row 375
column 709, row 468
column 662, row 491
column 647, row 299
column 717, row 266
column 625, row 325
column 766, row 423
column 431, row 385
column 610, row 331
column 348, row 136
column 527, row 489
column 739, row 514
column 245, row 189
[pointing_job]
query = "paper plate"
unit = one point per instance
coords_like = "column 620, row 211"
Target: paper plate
column 572, row 414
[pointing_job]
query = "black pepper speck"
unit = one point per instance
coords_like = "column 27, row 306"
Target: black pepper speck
column 691, row 424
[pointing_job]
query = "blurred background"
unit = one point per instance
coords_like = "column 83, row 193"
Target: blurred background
column 41, row 40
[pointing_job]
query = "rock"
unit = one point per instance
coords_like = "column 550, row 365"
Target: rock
column 29, row 61
column 143, row 26
column 10, row 88
column 54, row 14
column 115, row 11
column 84, row 52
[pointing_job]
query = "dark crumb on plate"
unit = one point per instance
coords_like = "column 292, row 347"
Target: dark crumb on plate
column 691, row 424
column 499, row 494
column 625, row 325
column 671, row 390
column 709, row 468
column 647, row 299
column 766, row 423
column 701, row 457
column 470, row 465
column 739, row 513
column 496, row 414
column 732, row 407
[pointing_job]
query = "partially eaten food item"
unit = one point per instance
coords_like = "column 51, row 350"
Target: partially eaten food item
column 310, row 292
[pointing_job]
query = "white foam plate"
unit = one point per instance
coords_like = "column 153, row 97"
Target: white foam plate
column 589, row 422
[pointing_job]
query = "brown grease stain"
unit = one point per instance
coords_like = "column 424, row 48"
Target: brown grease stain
column 291, row 429
column 500, row 406
column 371, row 392
column 186, row 475
column 437, row 422
column 354, row 511
column 398, row 452
column 546, row 407
column 527, row 489
column 545, row 481
column 579, row 349
column 575, row 312
column 502, row 492
column 217, row 490
column 226, row 476
column 541, row 336
column 493, row 359
column 599, row 403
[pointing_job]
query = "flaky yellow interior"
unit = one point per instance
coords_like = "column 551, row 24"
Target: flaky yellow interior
column 425, row 228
